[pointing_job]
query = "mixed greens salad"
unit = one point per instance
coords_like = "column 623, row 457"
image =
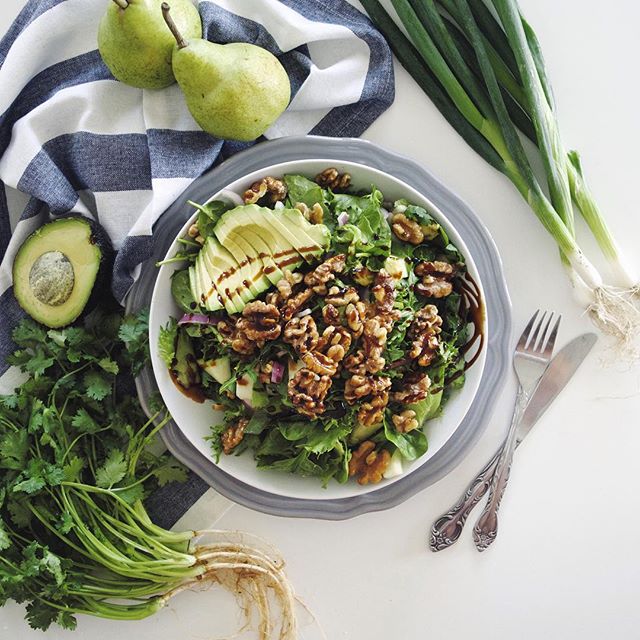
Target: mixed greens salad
column 327, row 325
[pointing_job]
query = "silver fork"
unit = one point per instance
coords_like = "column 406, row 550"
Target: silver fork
column 532, row 355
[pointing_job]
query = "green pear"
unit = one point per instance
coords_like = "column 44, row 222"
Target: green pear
column 234, row 91
column 136, row 45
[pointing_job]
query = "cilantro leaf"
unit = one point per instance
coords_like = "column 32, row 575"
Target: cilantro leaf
column 97, row 386
column 109, row 365
column 5, row 540
column 171, row 471
column 38, row 363
column 112, row 471
column 73, row 468
column 13, row 449
column 83, row 422
column 28, row 333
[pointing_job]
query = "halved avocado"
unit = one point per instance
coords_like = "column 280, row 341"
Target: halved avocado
column 56, row 268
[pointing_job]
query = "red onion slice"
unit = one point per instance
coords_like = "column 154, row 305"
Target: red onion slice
column 277, row 372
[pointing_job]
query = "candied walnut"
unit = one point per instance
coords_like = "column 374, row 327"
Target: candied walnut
column 295, row 303
column 225, row 329
column 438, row 267
column 374, row 339
column 424, row 330
column 384, row 292
column 334, row 343
column 232, row 436
column 264, row 373
column 341, row 298
column 242, row 344
column 260, row 322
column 315, row 215
column 356, row 313
column 436, row 278
column 372, row 412
column 332, row 179
column 414, row 389
column 331, row 315
column 302, row 334
column 193, row 231
column 360, row 386
column 354, row 363
column 320, row 364
column 285, row 285
column 363, row 276
column 307, row 391
column 405, row 421
column 405, row 229
column 368, row 464
column 269, row 190
column 325, row 272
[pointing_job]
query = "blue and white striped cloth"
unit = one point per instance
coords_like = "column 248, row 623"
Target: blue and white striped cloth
column 76, row 140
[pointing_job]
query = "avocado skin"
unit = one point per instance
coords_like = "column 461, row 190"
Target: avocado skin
column 98, row 238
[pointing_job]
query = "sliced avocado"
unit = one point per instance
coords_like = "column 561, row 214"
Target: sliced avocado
column 296, row 236
column 318, row 233
column 249, row 259
column 257, row 249
column 219, row 368
column 194, row 284
column 55, row 270
column 184, row 366
column 362, row 432
column 210, row 296
column 269, row 266
column 224, row 271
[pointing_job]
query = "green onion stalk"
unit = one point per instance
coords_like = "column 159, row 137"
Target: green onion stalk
column 482, row 66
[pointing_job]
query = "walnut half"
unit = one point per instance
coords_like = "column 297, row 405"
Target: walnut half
column 269, row 190
column 368, row 464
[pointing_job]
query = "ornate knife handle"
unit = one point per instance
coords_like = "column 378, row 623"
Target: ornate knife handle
column 486, row 528
column 447, row 528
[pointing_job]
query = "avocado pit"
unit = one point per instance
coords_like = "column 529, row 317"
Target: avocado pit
column 52, row 278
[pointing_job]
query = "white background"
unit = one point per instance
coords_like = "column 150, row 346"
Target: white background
column 566, row 564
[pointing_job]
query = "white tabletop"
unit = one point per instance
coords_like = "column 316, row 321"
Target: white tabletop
column 566, row 564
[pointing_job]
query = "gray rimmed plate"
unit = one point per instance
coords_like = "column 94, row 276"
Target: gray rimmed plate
column 480, row 248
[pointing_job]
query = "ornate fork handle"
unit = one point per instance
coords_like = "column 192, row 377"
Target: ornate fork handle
column 486, row 528
column 447, row 528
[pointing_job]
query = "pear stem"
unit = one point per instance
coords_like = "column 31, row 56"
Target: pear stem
column 123, row 4
column 166, row 12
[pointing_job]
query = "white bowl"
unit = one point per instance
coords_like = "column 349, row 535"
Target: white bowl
column 195, row 420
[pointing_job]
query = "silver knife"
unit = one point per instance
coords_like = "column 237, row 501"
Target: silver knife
column 448, row 527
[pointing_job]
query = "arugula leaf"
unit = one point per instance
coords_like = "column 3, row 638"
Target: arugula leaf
column 209, row 214
column 412, row 445
column 301, row 189
column 167, row 341
column 367, row 232
column 112, row 471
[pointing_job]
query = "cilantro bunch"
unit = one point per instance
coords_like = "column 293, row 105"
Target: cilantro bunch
column 77, row 458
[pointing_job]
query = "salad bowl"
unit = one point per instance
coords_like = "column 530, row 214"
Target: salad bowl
column 449, row 435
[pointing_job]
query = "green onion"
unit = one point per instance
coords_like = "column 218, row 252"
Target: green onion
column 484, row 65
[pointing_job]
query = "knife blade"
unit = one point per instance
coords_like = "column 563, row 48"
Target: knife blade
column 555, row 378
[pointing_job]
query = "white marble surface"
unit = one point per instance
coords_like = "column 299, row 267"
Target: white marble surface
column 566, row 564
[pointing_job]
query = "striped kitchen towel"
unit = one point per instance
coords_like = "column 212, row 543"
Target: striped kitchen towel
column 76, row 140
